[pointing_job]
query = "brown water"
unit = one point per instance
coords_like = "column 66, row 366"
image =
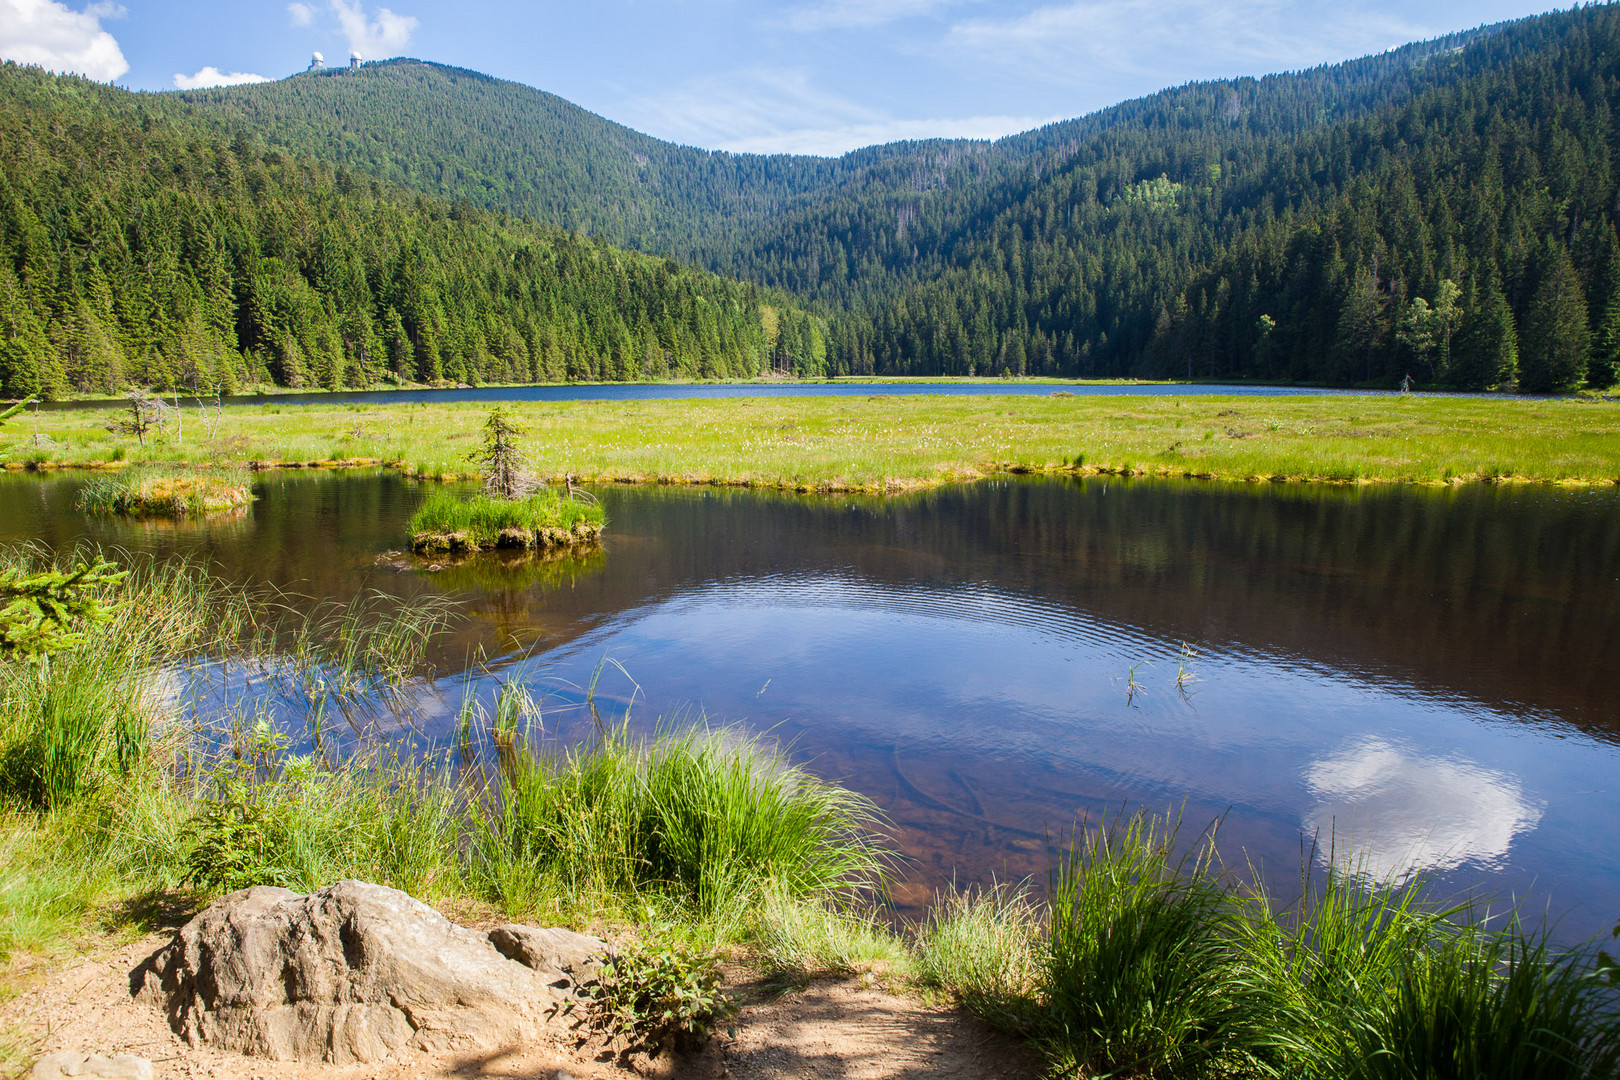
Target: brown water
column 1427, row 673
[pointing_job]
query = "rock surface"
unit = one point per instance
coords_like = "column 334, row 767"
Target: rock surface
column 352, row 972
column 556, row 954
column 121, row 1067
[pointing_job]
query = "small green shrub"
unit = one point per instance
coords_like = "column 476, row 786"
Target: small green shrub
column 242, row 838
column 660, row 998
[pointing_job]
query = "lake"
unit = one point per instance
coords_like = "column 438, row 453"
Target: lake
column 1423, row 674
column 678, row 391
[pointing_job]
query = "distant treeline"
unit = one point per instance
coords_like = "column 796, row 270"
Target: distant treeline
column 136, row 248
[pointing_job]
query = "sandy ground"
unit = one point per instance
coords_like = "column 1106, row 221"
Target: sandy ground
column 845, row 1029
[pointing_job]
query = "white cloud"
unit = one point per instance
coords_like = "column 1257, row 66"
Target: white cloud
column 855, row 14
column 300, row 14
column 212, row 76
column 1072, row 42
column 1397, row 811
column 58, row 38
column 772, row 111
column 386, row 35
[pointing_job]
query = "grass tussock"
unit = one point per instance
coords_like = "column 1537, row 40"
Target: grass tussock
column 986, row 948
column 157, row 491
column 1149, row 963
column 706, row 823
column 545, row 519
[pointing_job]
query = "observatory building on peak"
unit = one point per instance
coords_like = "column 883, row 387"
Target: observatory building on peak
column 317, row 64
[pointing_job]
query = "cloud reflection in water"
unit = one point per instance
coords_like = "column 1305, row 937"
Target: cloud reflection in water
column 1400, row 812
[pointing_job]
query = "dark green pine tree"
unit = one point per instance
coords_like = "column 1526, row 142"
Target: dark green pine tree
column 1553, row 339
column 1485, row 353
column 1359, row 335
column 27, row 360
column 1604, row 365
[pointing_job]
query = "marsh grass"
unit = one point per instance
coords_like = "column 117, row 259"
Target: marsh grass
column 168, row 491
column 544, row 519
column 707, row 822
column 895, row 443
column 794, row 940
column 1149, row 960
column 1383, row 982
column 987, row 948
column 1143, row 976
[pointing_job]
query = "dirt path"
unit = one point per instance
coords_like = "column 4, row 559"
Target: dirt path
column 830, row 1030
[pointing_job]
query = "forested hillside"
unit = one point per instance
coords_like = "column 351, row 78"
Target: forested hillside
column 139, row 246
column 1462, row 232
column 1445, row 211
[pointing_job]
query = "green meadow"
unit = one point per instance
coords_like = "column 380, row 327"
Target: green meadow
column 894, row 443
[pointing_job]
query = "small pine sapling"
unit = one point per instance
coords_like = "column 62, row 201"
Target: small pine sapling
column 506, row 470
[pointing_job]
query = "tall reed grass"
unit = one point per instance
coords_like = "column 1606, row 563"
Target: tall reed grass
column 701, row 821
column 1149, row 960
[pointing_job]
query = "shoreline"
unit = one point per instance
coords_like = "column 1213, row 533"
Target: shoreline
column 889, row 487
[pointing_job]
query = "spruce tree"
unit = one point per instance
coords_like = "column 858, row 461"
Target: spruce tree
column 1553, row 339
column 1360, row 331
column 1486, row 351
column 1604, row 365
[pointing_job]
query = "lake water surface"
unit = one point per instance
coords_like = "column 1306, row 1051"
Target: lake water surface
column 1426, row 674
column 682, row 391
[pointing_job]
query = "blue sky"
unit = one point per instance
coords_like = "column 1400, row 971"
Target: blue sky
column 808, row 76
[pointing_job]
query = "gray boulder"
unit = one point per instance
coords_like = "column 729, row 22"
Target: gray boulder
column 561, row 956
column 352, row 972
column 94, row 1066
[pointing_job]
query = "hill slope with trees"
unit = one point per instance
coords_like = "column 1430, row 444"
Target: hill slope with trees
column 140, row 246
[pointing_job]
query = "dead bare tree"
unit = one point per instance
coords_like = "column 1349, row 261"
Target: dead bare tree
column 211, row 416
column 146, row 414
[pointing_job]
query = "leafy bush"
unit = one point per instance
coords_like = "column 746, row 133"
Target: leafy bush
column 660, row 998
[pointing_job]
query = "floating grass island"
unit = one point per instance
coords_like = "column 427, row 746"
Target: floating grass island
column 168, row 492
column 543, row 521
